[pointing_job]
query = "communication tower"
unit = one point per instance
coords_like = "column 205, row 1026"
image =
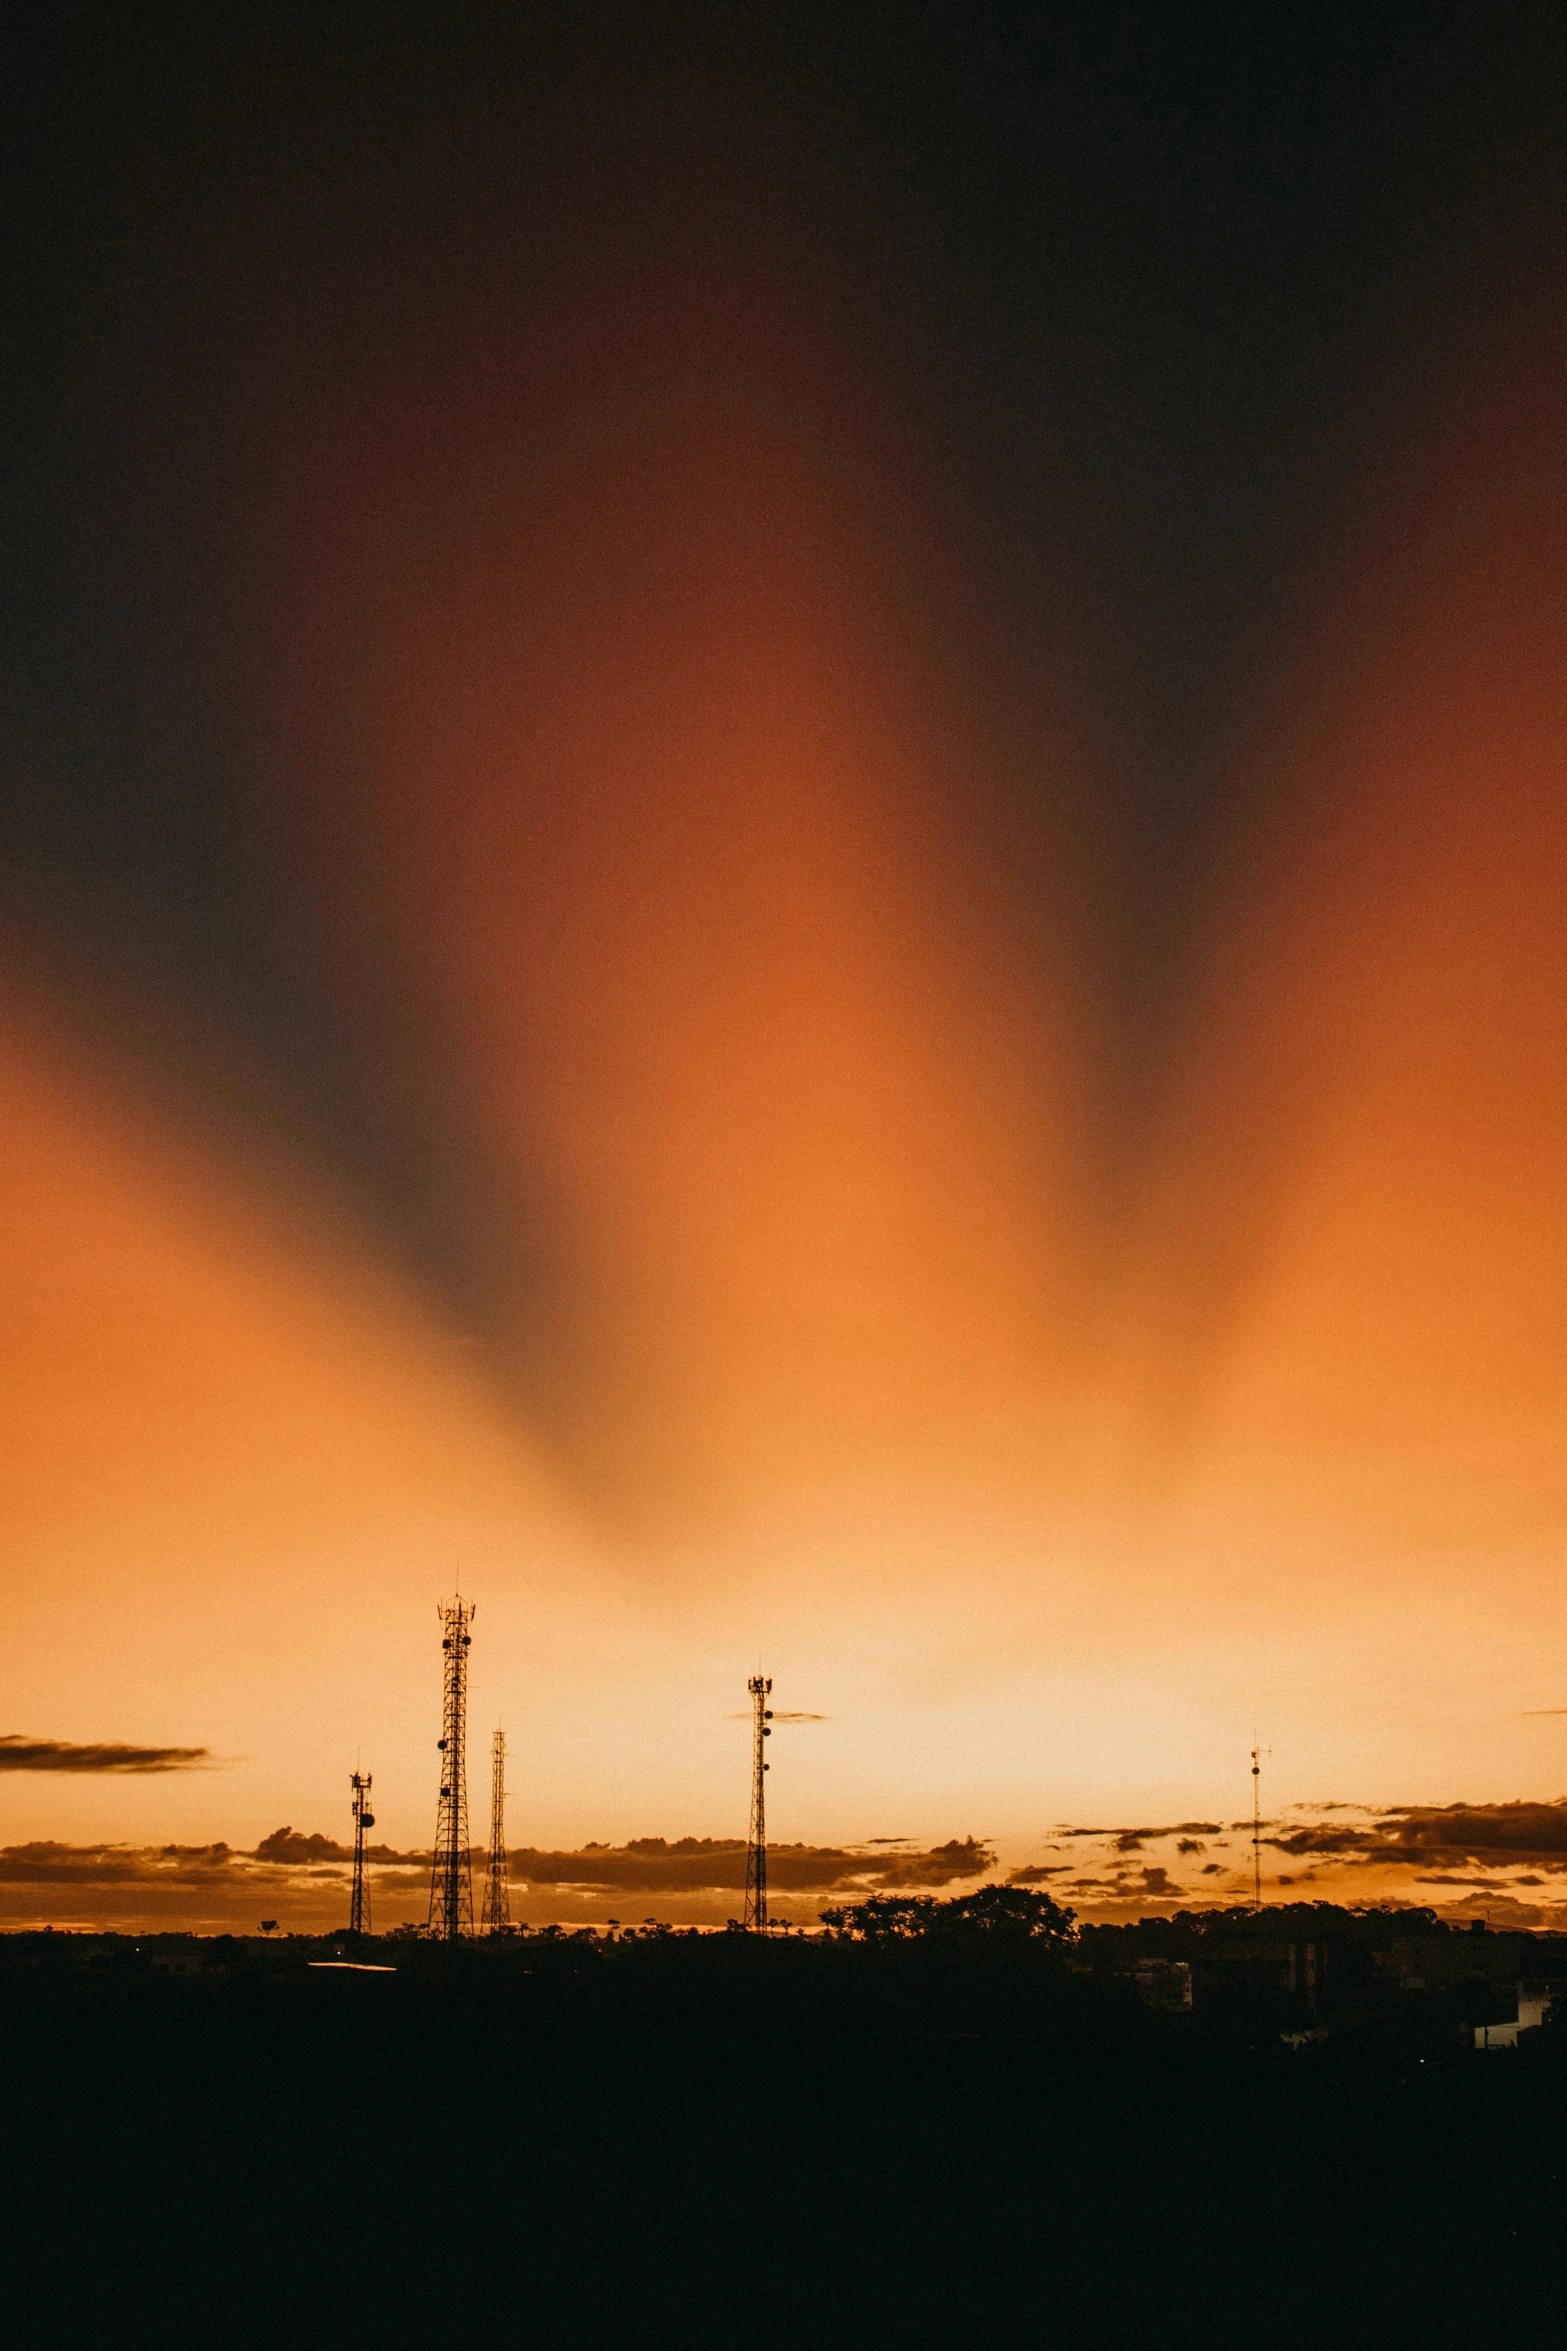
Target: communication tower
column 364, row 1818
column 1257, row 1754
column 497, row 1899
column 756, row 1848
column 451, row 1879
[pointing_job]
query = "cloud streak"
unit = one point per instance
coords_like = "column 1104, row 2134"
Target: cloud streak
column 22, row 1754
column 1133, row 1840
column 745, row 1715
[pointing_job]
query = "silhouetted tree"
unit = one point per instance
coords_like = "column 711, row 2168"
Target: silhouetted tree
column 1015, row 1914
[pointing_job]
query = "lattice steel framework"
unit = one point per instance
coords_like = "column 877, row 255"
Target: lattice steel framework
column 497, row 1898
column 451, row 1879
column 364, row 1818
column 756, row 1848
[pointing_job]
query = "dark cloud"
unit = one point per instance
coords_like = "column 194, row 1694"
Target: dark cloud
column 47, row 1863
column 655, row 1865
column 1037, row 1875
column 1158, row 1885
column 642, row 1865
column 21, row 1754
column 414, row 1878
column 277, row 1857
column 962, row 1857
column 206, row 1889
column 779, row 1716
column 1445, row 1835
column 285, row 1845
column 302, row 1880
column 154, row 1889
column 286, row 1848
column 1133, row 1840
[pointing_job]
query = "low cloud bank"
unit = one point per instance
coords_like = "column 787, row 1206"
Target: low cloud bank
column 46, row 1863
column 301, row 1879
column 1509, row 1859
column 151, row 1889
column 653, row 1865
column 287, row 1849
column 1486, row 1854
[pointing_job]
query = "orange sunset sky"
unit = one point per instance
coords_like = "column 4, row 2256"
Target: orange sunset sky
column 662, row 1054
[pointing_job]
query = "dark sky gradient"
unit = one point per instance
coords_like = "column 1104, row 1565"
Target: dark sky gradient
column 1135, row 295
column 781, row 842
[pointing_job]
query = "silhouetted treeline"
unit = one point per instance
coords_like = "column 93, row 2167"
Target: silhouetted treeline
column 956, row 2121
column 1001, row 1963
column 946, row 2122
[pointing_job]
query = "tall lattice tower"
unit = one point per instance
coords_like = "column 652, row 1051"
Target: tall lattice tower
column 497, row 1899
column 756, row 1848
column 1258, row 1751
column 364, row 1818
column 451, row 1879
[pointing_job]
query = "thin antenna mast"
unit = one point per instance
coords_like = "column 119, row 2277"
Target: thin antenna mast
column 364, row 1818
column 760, row 1688
column 451, row 1877
column 1257, row 1753
column 497, row 1898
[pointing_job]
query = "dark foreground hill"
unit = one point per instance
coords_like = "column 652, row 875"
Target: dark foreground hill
column 699, row 2144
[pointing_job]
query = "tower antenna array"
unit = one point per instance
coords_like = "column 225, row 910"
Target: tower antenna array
column 1257, row 1754
column 451, row 1878
column 497, row 1900
column 364, row 1818
column 756, row 1848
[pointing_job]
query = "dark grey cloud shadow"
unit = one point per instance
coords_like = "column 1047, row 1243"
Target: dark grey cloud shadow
column 1130, row 260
